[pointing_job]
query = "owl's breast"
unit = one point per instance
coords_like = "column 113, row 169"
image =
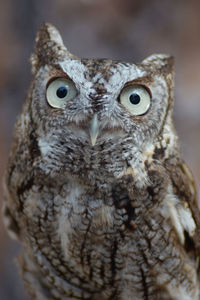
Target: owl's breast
column 107, row 240
column 100, row 240
column 90, row 231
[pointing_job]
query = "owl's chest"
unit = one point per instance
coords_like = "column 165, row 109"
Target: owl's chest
column 108, row 241
column 102, row 241
column 89, row 223
column 93, row 234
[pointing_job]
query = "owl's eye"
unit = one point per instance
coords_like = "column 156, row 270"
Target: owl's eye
column 60, row 91
column 136, row 99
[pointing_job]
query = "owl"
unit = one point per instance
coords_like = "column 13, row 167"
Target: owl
column 96, row 190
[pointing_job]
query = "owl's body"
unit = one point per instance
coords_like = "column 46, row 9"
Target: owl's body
column 96, row 191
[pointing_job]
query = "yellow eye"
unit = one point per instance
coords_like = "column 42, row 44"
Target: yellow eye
column 136, row 99
column 60, row 91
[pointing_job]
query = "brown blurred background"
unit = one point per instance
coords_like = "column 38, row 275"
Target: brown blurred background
column 128, row 30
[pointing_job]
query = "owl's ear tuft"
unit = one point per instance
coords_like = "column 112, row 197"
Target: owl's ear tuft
column 49, row 47
column 160, row 62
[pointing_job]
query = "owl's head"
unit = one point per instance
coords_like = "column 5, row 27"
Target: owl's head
column 98, row 111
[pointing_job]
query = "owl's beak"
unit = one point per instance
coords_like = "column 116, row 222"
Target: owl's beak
column 94, row 129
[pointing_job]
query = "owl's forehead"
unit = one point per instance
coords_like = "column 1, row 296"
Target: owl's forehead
column 101, row 75
column 106, row 68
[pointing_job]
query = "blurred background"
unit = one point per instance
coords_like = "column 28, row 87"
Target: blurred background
column 128, row 30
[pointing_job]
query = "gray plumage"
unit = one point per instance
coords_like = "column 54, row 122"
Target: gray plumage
column 96, row 190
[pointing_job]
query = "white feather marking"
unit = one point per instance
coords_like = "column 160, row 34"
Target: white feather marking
column 180, row 216
column 45, row 147
column 121, row 75
column 186, row 219
column 77, row 72
column 64, row 224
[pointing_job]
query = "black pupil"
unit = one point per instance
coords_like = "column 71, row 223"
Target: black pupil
column 134, row 98
column 61, row 92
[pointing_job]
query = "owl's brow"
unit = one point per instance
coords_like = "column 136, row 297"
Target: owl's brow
column 57, row 71
column 145, row 80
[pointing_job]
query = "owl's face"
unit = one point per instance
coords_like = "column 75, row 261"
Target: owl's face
column 96, row 113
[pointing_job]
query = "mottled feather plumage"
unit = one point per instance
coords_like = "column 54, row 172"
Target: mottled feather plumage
column 113, row 219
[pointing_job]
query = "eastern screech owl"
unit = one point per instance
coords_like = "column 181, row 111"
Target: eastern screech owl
column 96, row 190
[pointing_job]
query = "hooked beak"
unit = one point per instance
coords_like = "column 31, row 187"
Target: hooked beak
column 94, row 129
